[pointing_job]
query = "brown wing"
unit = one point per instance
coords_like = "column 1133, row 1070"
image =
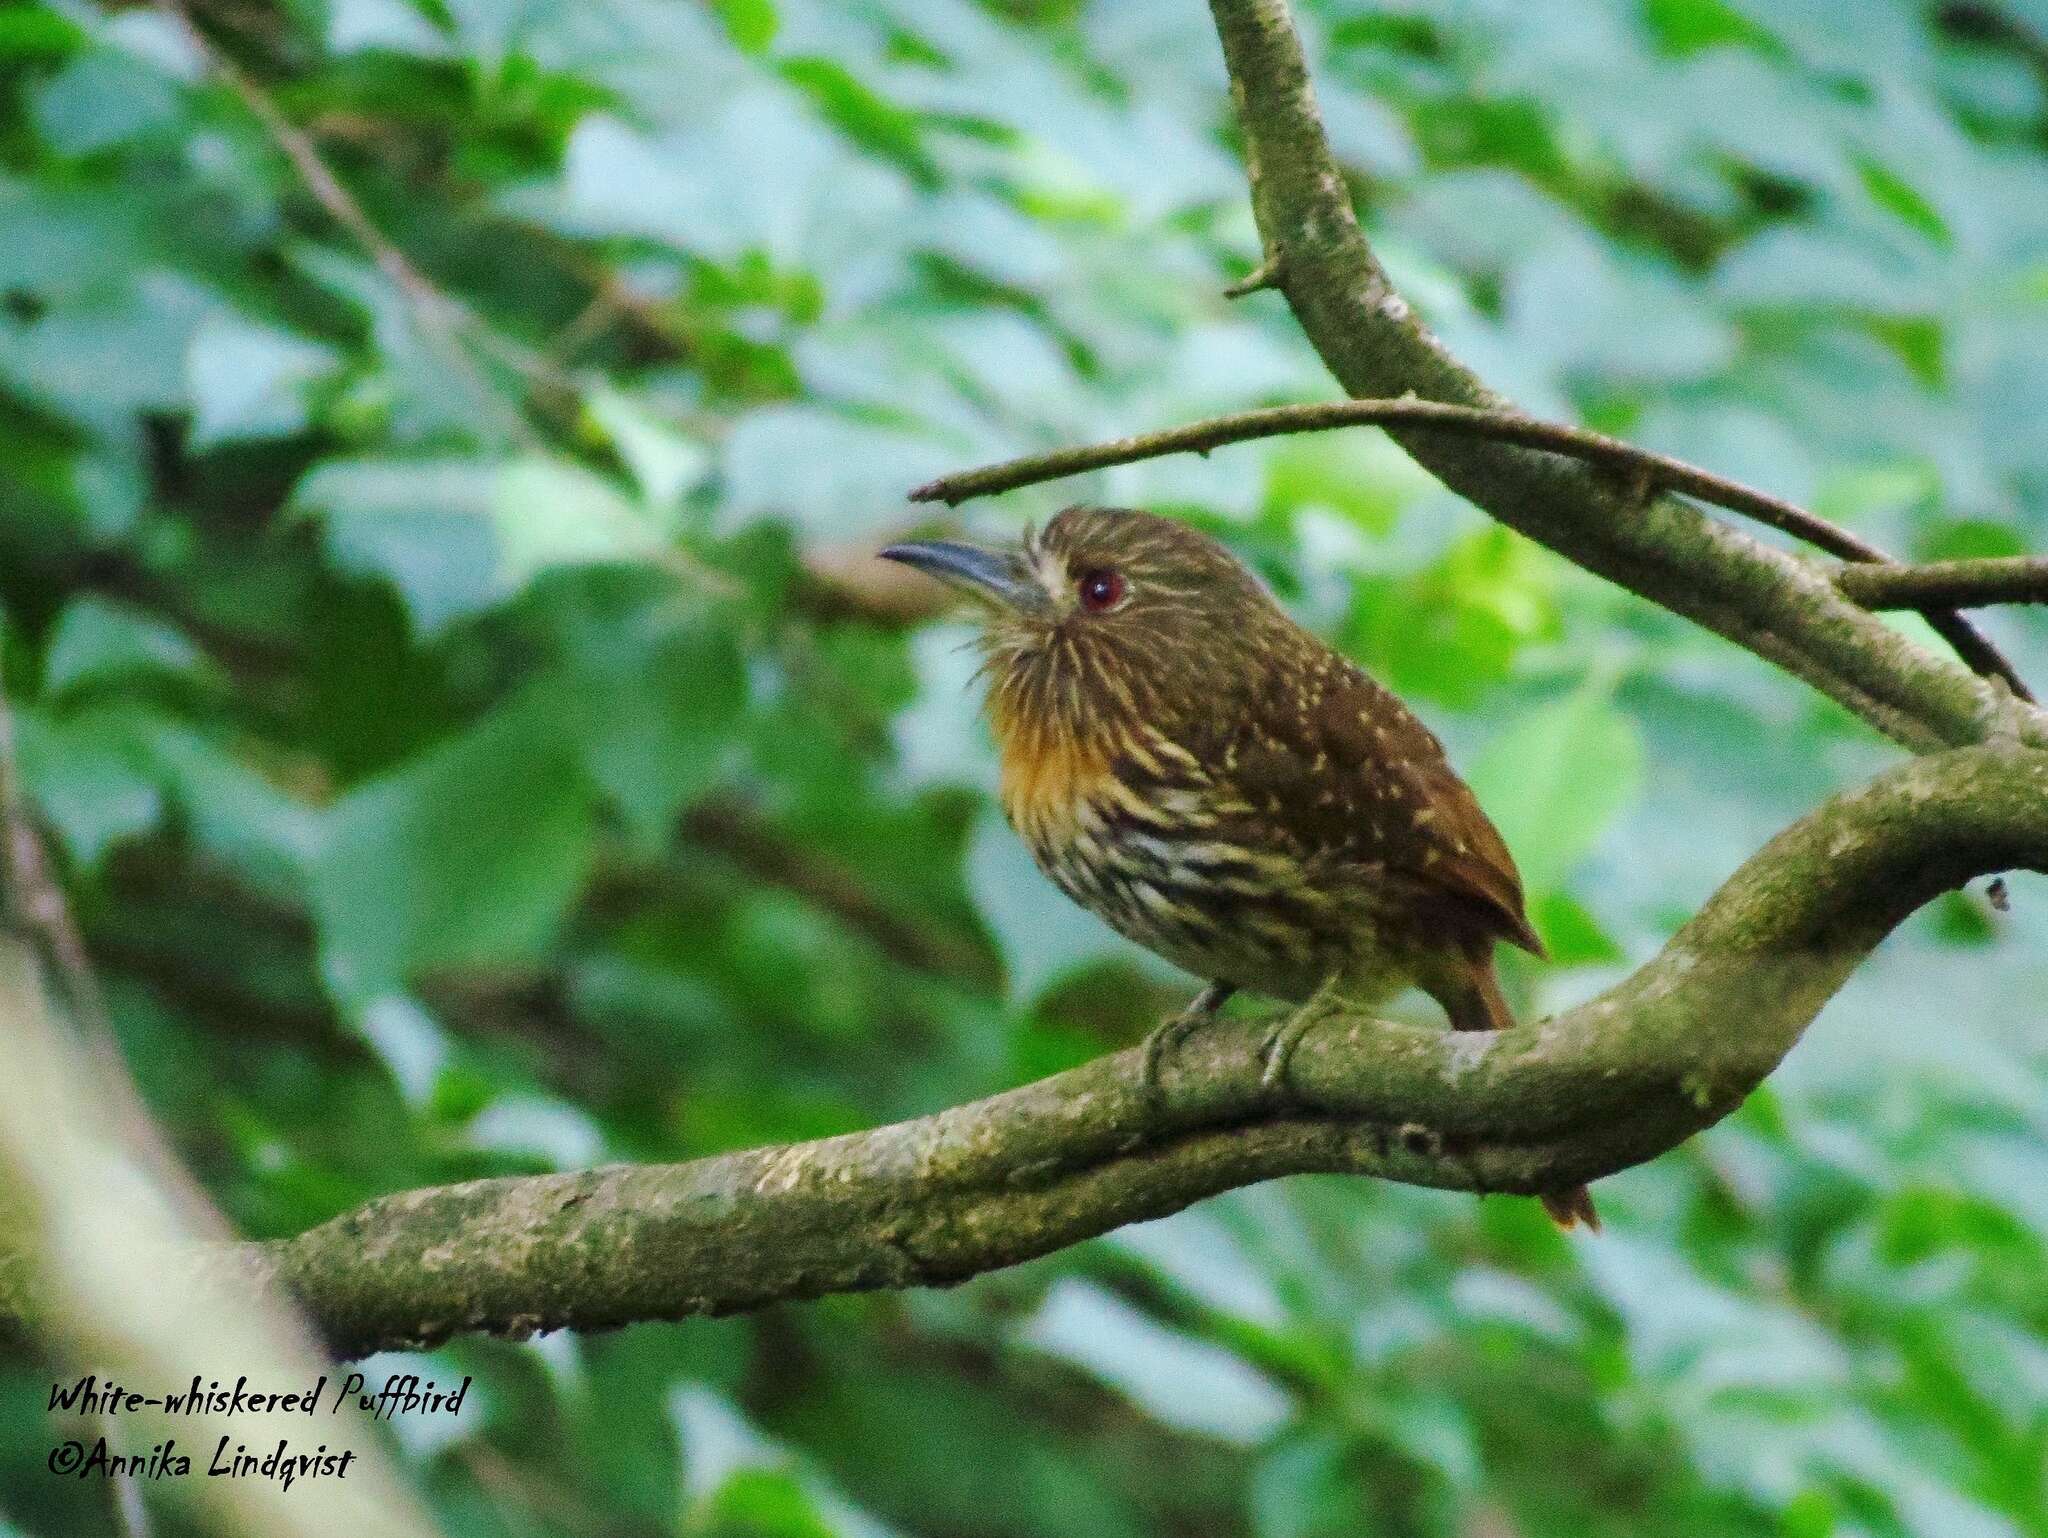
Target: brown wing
column 1471, row 860
column 1348, row 772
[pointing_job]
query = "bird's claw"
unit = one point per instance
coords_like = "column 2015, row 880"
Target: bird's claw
column 1276, row 1048
column 1171, row 1032
column 1157, row 1040
column 1276, row 1051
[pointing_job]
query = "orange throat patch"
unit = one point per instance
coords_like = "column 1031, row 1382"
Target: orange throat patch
column 1046, row 776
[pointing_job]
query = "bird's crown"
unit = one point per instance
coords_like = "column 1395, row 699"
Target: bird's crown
column 1105, row 561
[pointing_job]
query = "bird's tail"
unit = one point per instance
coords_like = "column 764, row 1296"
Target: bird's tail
column 1481, row 1006
column 1568, row 1209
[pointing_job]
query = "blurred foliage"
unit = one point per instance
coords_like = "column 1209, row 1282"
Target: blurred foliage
column 460, row 765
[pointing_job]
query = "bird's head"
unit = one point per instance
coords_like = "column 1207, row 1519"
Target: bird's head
column 1107, row 617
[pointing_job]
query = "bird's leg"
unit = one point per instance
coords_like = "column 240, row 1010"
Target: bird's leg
column 1170, row 1032
column 1276, row 1050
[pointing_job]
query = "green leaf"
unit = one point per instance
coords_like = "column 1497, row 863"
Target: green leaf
column 652, row 711
column 860, row 113
column 1573, row 936
column 104, row 98
column 549, row 512
column 424, row 526
column 248, row 380
column 1434, row 1430
column 1959, row 919
column 1186, row 1383
column 762, row 1503
column 97, row 641
column 1359, row 475
column 91, row 775
column 1899, row 197
column 1305, row 1488
column 1553, row 779
column 110, row 353
column 64, row 241
column 458, row 536
column 743, row 1485
column 237, row 816
column 750, row 23
column 421, row 386
column 666, row 464
column 109, row 490
column 37, row 32
column 1454, row 629
column 1691, row 26
column 468, row 854
column 1966, row 539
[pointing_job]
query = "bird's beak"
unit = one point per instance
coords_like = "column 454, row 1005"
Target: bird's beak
column 999, row 577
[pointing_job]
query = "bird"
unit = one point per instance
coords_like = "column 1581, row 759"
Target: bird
column 1227, row 790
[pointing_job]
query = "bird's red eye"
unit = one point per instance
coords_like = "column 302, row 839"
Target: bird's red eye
column 1100, row 590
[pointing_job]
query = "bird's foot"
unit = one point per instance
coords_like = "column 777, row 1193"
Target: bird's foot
column 1276, row 1050
column 1171, row 1032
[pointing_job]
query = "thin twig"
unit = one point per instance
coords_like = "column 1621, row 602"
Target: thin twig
column 1959, row 584
column 105, row 1275
column 1651, row 472
column 32, row 903
column 731, row 829
column 612, row 299
column 444, row 318
column 441, row 317
column 1504, row 426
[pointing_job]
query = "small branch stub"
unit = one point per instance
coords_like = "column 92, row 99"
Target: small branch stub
column 1266, row 275
column 1961, row 584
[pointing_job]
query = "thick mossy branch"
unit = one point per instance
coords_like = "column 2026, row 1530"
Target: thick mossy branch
column 1583, row 1094
column 1782, row 608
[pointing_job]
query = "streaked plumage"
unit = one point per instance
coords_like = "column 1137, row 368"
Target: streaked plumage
column 1222, row 787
